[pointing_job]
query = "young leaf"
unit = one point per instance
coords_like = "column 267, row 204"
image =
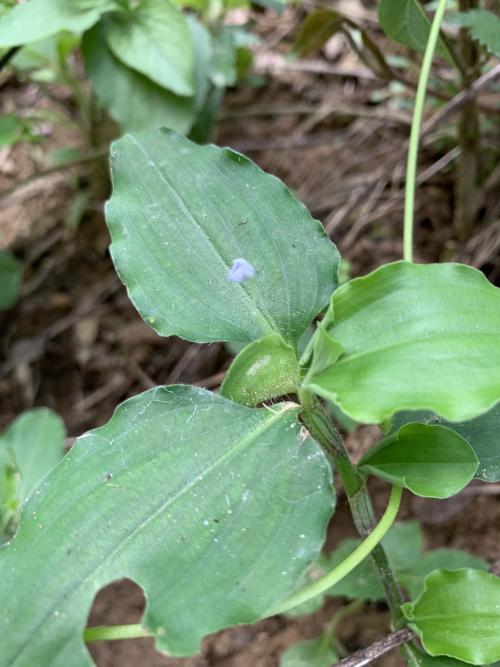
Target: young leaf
column 483, row 26
column 190, row 495
column 430, row 461
column 458, row 615
column 154, row 39
column 316, row 30
column 181, row 213
column 310, row 653
column 482, row 434
column 36, row 19
column 135, row 102
column 406, row 22
column 415, row 337
column 11, row 275
column 264, row 369
column 412, row 578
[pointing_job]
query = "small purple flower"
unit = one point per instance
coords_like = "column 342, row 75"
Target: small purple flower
column 241, row 271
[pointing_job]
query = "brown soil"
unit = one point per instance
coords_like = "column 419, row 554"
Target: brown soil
column 75, row 343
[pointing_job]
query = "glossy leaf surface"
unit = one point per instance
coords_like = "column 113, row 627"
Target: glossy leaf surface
column 134, row 101
column 181, row 213
column 414, row 337
column 198, row 499
column 11, row 274
column 482, row 433
column 36, row 19
column 264, row 369
column 412, row 578
column 458, row 615
column 154, row 39
column 429, row 460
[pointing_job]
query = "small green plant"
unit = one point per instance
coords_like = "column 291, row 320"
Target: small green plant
column 149, row 64
column 225, row 498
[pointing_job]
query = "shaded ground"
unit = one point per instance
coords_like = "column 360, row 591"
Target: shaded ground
column 76, row 344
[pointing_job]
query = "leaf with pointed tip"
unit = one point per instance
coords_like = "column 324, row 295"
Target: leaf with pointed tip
column 310, row 653
column 267, row 368
column 482, row 434
column 458, row 615
column 154, row 39
column 181, row 213
column 11, row 275
column 197, row 498
column 414, row 337
column 316, row 30
column 36, row 19
column 430, row 461
column 412, row 578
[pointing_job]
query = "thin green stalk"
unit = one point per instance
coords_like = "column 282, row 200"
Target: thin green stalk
column 411, row 170
column 353, row 560
column 113, row 632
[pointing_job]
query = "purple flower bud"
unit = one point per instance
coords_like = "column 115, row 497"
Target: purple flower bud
column 241, row 271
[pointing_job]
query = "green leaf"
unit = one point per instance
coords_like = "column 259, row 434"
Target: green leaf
column 11, row 129
column 483, row 26
column 154, row 39
column 482, row 434
column 135, row 102
column 181, row 213
column 310, row 653
column 190, row 495
column 415, row 337
column 406, row 22
column 316, row 30
column 423, row 660
column 412, row 578
column 36, row 19
column 36, row 442
column 430, row 461
column 264, row 369
column 458, row 615
column 11, row 275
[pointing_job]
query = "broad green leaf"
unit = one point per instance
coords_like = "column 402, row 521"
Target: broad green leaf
column 482, row 433
column 36, row 442
column 423, row 660
column 414, row 337
column 154, row 39
column 310, row 653
column 412, row 578
column 458, row 615
column 181, row 213
column 36, row 19
column 429, row 460
column 264, row 369
column 135, row 102
column 11, row 275
column 483, row 26
column 406, row 22
column 316, row 30
column 190, row 495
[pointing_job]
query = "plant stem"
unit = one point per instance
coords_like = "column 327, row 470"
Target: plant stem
column 411, row 170
column 348, row 564
column 113, row 632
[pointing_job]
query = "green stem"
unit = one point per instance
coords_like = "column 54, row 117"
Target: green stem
column 411, row 170
column 105, row 632
column 353, row 560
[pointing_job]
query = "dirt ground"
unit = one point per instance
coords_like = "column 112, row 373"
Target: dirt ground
column 75, row 343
